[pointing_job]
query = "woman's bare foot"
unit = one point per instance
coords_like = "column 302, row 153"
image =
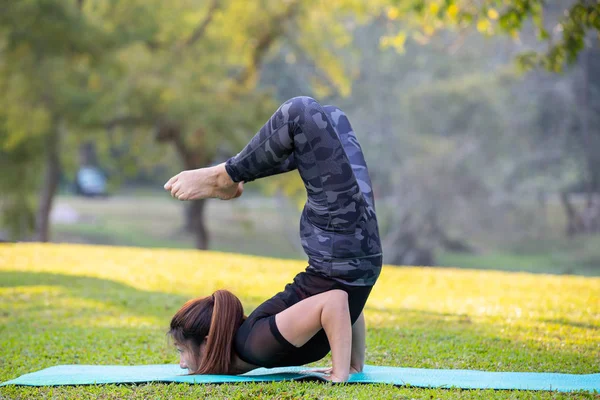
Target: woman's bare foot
column 204, row 183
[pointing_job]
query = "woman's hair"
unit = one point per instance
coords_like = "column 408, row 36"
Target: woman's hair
column 218, row 316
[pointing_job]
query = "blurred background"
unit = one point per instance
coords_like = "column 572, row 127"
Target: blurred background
column 479, row 120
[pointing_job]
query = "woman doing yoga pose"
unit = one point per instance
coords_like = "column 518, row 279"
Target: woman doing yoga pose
column 321, row 310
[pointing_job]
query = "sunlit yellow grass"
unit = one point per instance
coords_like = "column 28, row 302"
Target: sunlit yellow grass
column 512, row 296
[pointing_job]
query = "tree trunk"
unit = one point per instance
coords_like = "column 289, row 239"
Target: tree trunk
column 195, row 218
column 194, row 210
column 50, row 184
column 87, row 154
column 574, row 225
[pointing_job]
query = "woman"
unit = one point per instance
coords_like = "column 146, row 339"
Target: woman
column 321, row 310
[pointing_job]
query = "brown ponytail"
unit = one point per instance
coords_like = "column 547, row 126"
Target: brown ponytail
column 218, row 316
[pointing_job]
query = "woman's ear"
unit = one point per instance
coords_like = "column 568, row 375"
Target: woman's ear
column 203, row 344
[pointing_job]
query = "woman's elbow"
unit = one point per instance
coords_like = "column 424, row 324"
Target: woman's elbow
column 335, row 303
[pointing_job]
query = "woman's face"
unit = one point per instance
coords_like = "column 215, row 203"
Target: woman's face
column 189, row 355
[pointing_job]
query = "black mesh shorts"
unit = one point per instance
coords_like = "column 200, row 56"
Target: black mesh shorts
column 259, row 342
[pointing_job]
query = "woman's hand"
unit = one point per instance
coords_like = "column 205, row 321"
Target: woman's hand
column 328, row 373
column 354, row 371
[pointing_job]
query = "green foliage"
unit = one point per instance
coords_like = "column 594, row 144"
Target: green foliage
column 46, row 28
column 117, row 72
column 511, row 17
column 47, row 50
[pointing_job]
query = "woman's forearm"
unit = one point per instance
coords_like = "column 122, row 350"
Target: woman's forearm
column 326, row 311
column 335, row 319
column 357, row 358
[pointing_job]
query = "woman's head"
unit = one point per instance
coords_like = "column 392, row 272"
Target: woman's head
column 203, row 331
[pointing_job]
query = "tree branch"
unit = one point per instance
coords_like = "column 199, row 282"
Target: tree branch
column 124, row 120
column 201, row 28
column 265, row 41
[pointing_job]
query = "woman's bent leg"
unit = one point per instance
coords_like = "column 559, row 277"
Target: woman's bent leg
column 353, row 150
column 301, row 127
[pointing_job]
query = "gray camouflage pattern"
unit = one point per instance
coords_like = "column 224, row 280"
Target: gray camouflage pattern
column 338, row 225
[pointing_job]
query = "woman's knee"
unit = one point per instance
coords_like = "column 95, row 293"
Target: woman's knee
column 294, row 107
column 302, row 100
column 299, row 104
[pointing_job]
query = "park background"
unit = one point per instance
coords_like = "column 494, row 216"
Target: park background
column 479, row 120
column 482, row 154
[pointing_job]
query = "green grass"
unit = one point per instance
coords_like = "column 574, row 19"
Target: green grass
column 245, row 226
column 67, row 304
column 580, row 256
column 561, row 263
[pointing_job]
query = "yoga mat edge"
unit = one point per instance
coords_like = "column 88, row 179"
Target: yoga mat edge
column 414, row 377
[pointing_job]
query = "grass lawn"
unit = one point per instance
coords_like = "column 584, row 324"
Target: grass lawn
column 82, row 304
column 257, row 225
column 251, row 225
column 582, row 257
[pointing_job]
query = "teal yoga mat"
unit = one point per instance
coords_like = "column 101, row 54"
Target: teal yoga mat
column 419, row 377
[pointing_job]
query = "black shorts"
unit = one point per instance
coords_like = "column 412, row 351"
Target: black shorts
column 259, row 342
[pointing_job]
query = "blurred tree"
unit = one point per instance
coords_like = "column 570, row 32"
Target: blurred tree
column 46, row 52
column 485, row 111
column 589, row 136
column 20, row 165
column 484, row 130
column 569, row 118
column 447, row 131
column 194, row 78
column 126, row 73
